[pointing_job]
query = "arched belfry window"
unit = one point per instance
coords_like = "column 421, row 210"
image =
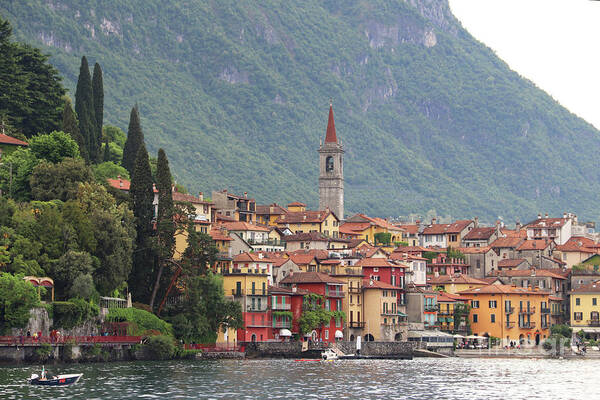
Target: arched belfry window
column 329, row 164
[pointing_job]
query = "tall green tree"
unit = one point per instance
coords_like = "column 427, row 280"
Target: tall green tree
column 135, row 139
column 84, row 107
column 70, row 125
column 98, row 94
column 18, row 297
column 165, row 224
column 30, row 88
column 141, row 195
column 59, row 181
column 200, row 252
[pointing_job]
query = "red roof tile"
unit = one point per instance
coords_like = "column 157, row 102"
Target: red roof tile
column 296, row 204
column 537, row 244
column 503, row 289
column 310, row 277
column 251, row 257
column 457, row 279
column 216, row 234
column 306, row 236
column 5, row 139
column 411, row 229
column 244, row 226
column 547, row 223
column 480, row 233
column 373, row 284
column 330, row 136
column 438, row 229
column 507, row 242
column 295, row 217
column 529, row 272
column 578, row 244
column 272, row 209
column 119, row 183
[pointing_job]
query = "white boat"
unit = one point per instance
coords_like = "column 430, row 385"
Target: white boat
column 329, row 355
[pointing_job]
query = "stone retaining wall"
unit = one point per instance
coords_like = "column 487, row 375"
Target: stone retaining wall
column 378, row 348
column 294, row 349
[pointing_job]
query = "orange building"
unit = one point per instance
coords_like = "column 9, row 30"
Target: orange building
column 511, row 313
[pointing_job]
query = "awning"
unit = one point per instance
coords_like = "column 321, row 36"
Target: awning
column 339, row 334
column 476, row 337
column 458, row 336
column 285, row 333
column 401, row 314
column 591, row 330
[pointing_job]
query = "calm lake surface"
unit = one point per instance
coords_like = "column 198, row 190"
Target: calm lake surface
column 452, row 378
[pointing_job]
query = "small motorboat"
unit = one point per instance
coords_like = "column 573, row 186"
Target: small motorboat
column 329, row 355
column 59, row 380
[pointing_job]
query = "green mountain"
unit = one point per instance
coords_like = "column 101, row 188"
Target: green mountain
column 237, row 92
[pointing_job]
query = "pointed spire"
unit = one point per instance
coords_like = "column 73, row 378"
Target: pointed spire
column 330, row 137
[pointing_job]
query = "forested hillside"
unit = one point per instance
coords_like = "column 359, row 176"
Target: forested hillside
column 238, row 92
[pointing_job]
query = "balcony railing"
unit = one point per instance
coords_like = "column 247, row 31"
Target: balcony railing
column 263, row 308
column 431, row 308
column 527, row 325
column 593, row 322
column 530, row 310
column 509, row 310
column 249, row 271
column 354, row 289
column 510, row 325
column 545, row 310
column 356, row 324
column 248, row 292
column 444, row 313
column 282, row 324
column 279, row 306
column 265, row 242
column 556, row 313
column 335, row 294
column 237, row 292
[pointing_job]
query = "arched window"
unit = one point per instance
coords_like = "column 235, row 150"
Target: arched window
column 329, row 164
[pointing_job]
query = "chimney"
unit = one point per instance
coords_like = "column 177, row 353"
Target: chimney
column 201, row 196
column 245, row 195
column 539, row 216
column 433, row 220
column 518, row 225
column 565, row 215
column 546, row 215
column 476, row 222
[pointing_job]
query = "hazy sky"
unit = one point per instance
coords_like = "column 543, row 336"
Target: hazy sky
column 554, row 43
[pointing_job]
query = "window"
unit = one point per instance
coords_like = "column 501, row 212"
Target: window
column 594, row 301
column 327, row 305
column 351, row 302
column 259, row 301
column 329, row 164
column 326, row 335
column 493, row 318
column 478, row 264
column 474, row 317
column 474, row 303
column 453, row 238
column 338, row 305
column 577, row 301
column 493, row 304
column 578, row 316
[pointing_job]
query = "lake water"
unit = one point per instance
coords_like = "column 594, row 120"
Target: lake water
column 452, row 378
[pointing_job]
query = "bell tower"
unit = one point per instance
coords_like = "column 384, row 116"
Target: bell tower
column 331, row 171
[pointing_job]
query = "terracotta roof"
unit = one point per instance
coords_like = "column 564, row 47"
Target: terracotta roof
column 450, row 298
column 510, row 263
column 578, row 244
column 547, row 223
column 543, row 273
column 251, row 257
column 224, row 218
column 5, row 139
column 244, row 226
column 272, row 209
column 555, row 298
column 310, row 277
column 308, row 236
column 593, row 287
column 411, row 229
column 474, row 250
column 377, row 262
column 296, row 204
column 457, row 279
column 373, row 284
column 522, row 233
column 490, row 279
column 354, row 228
column 537, row 244
column 507, row 242
column 330, row 136
column 503, row 289
column 188, row 198
column 330, row 262
column 119, row 183
column 411, row 249
column 354, row 242
column 302, row 259
column 295, row 217
column 405, row 257
column 480, row 233
column 216, row 234
column 383, row 223
column 438, row 229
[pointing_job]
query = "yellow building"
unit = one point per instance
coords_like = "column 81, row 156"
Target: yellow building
column 268, row 215
column 585, row 309
column 575, row 251
column 352, row 304
column 511, row 313
column 203, row 218
column 454, row 283
column 296, row 207
column 385, row 320
column 363, row 227
column 446, row 303
column 324, row 222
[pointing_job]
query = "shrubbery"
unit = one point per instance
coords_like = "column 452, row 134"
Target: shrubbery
column 68, row 314
column 161, row 347
column 142, row 321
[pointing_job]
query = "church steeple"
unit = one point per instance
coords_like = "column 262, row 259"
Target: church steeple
column 330, row 136
column 331, row 171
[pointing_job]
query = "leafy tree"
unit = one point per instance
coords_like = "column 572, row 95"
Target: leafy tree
column 83, row 287
column 70, row 125
column 30, row 88
column 18, row 297
column 165, row 221
column 135, row 140
column 16, row 173
column 107, row 170
column 200, row 252
column 70, row 266
column 115, row 135
column 84, row 107
column 98, row 94
column 59, row 181
column 141, row 197
column 562, row 330
column 54, row 147
column 383, row 238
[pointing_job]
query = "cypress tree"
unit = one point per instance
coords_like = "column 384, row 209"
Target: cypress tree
column 84, row 107
column 70, row 125
column 135, row 138
column 165, row 223
column 106, row 156
column 98, row 94
column 141, row 195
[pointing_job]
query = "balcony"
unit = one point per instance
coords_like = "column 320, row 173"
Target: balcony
column 335, row 294
column 431, row 308
column 509, row 325
column 593, row 322
column 256, row 308
column 282, row 324
column 445, row 313
column 545, row 310
column 530, row 310
column 249, row 292
column 279, row 306
column 556, row 313
column 354, row 289
column 258, row 325
column 355, row 324
column 237, row 292
column 527, row 325
column 247, row 271
column 509, row 310
column 265, row 242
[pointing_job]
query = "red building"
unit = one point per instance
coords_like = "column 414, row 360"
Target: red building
column 380, row 269
column 444, row 265
column 281, row 312
column 302, row 284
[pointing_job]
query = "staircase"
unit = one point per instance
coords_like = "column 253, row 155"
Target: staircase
column 337, row 350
